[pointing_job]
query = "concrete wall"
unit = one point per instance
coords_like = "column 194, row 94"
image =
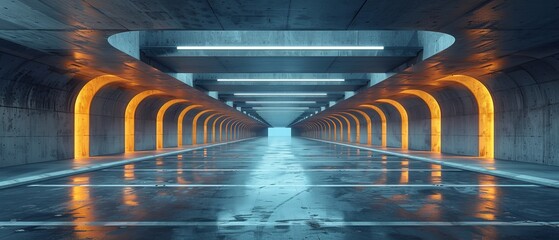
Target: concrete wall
column 35, row 114
column 526, row 103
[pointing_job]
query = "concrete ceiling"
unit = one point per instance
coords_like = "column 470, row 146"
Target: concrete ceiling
column 71, row 36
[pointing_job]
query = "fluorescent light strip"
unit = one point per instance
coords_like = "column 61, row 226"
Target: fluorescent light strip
column 298, row 48
column 280, row 102
column 276, row 111
column 280, row 108
column 277, row 80
column 280, row 94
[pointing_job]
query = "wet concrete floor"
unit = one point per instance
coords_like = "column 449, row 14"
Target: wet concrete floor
column 280, row 188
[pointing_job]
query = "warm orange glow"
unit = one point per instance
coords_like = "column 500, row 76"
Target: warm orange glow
column 160, row 118
column 129, row 172
column 221, row 128
column 404, row 119
column 382, row 122
column 369, row 125
column 341, row 127
column 129, row 197
column 488, row 196
column 130, row 116
column 234, row 129
column 228, row 129
column 405, row 175
column 486, row 121
column 317, row 129
column 181, row 120
column 435, row 110
column 206, row 127
column 195, row 126
column 214, row 128
column 348, row 126
column 80, row 206
column 334, row 130
column 357, row 127
column 82, row 107
column 436, row 173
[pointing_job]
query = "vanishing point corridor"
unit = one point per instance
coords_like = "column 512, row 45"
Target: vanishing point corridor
column 280, row 188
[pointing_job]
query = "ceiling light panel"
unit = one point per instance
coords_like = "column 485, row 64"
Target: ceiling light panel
column 282, row 48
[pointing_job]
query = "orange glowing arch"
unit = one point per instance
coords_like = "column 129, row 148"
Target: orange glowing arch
column 486, row 112
column 180, row 121
column 435, row 111
column 382, row 122
column 369, row 125
column 221, row 128
column 195, row 126
column 130, row 117
column 206, row 126
column 82, row 107
column 160, row 118
column 404, row 119
column 334, row 130
column 348, row 125
column 327, row 123
column 214, row 139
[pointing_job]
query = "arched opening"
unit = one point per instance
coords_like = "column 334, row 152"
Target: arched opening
column 130, row 116
column 435, row 111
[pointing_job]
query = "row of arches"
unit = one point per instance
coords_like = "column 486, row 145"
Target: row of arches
column 331, row 126
column 215, row 125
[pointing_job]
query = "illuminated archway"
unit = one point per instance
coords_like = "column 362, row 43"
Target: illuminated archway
column 382, row 122
column 206, row 126
column 316, row 128
column 404, row 119
column 348, row 125
column 82, row 108
column 435, row 111
column 335, row 128
column 195, row 126
column 221, row 128
column 329, row 128
column 130, row 117
column 214, row 139
column 486, row 111
column 180, row 121
column 357, row 126
column 369, row 125
column 160, row 120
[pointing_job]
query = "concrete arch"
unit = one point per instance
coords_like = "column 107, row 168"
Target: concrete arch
column 160, row 116
column 369, row 125
column 214, row 139
column 227, row 119
column 317, row 129
column 335, row 128
column 82, row 108
column 195, row 125
column 130, row 116
column 357, row 126
column 382, row 121
column 206, row 126
column 180, row 121
column 486, row 112
column 348, row 125
column 329, row 128
column 229, row 128
column 236, row 128
column 435, row 111
column 404, row 119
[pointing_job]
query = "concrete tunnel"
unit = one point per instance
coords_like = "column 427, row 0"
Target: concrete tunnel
column 400, row 119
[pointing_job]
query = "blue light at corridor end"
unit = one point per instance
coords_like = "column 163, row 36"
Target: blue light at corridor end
column 279, row 132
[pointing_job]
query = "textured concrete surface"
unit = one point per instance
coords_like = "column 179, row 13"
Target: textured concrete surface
column 280, row 188
column 25, row 174
column 528, row 172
